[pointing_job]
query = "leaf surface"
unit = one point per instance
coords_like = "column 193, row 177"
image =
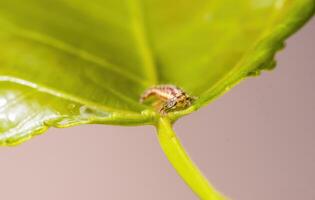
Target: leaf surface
column 70, row 62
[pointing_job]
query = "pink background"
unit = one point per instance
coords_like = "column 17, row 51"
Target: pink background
column 257, row 142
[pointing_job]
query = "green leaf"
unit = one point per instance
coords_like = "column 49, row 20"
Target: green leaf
column 70, row 62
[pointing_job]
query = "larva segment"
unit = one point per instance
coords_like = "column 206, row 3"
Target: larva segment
column 163, row 92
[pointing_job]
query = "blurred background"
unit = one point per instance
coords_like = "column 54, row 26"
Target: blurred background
column 256, row 142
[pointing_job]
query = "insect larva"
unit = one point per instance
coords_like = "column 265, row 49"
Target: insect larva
column 169, row 98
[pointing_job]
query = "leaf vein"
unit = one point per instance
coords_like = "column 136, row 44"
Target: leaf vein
column 79, row 53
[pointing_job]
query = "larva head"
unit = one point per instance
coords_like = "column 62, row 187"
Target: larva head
column 184, row 101
column 179, row 102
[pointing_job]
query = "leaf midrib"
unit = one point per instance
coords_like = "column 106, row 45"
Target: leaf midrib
column 141, row 38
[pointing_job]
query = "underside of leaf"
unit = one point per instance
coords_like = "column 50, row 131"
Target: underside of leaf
column 70, row 62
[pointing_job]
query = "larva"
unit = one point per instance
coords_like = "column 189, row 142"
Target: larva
column 169, row 98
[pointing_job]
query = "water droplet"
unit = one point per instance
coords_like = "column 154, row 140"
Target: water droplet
column 65, row 122
column 87, row 112
column 254, row 73
column 147, row 112
column 71, row 106
column 227, row 88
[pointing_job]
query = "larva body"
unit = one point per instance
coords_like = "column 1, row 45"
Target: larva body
column 169, row 98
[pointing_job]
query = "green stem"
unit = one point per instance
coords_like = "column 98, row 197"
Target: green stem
column 182, row 163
